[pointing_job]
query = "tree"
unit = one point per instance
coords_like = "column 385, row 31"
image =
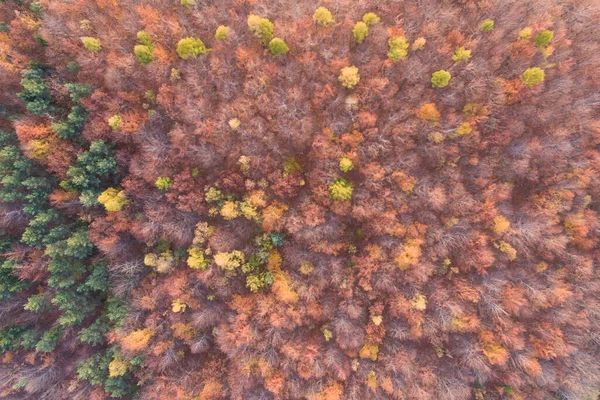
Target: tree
column 341, row 189
column 278, row 46
column 36, row 93
column 144, row 54
column 92, row 169
column 163, row 183
column 261, row 28
column 398, row 48
column 370, row 19
column 360, row 32
column 349, row 77
column 346, row 164
column 544, row 38
column 190, row 47
column 92, row 44
column 461, row 54
column 440, row 79
column 487, row 25
column 222, row 32
column 113, row 199
column 323, row 17
column 533, row 76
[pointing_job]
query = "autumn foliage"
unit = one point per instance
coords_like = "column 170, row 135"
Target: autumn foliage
column 295, row 200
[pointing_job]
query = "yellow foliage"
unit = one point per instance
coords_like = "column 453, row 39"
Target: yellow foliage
column 419, row 43
column 428, row 112
column 183, row 331
column 406, row 182
column 349, row 77
column 257, row 198
column 501, row 224
column 248, row 210
column 410, row 255
column 229, row 261
column 464, row 129
column 377, row 319
column 333, row 391
column 507, row 249
column 283, row 291
column 38, row 149
column 117, row 367
column 306, row 268
column 196, row 259
column 525, row 33
column 496, row 353
column 150, row 260
column 419, row 302
column 369, row 350
column 178, row 306
column 372, row 380
column 234, row 123
column 230, row 210
column 137, row 340
column 272, row 214
column 113, row 199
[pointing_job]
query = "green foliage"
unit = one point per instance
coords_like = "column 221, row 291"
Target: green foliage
column 75, row 307
column 323, row 17
column 188, row 3
column 278, row 46
column 222, row 32
column 92, row 44
column 190, row 47
column 92, row 169
column 49, row 340
column 36, row 8
column 36, row 93
column 341, row 189
column 276, row 239
column 39, row 40
column 98, row 280
column 544, row 38
column 36, row 302
column 461, row 54
column 533, row 76
column 164, row 183
column 487, row 25
column 115, row 311
column 261, row 28
column 71, row 128
column 38, row 232
column 95, row 368
column 440, row 79
column 73, row 67
column 370, row 19
column 94, row 334
column 9, row 283
column 10, row 337
column 143, row 54
column 77, row 91
column 360, row 31
column 398, row 48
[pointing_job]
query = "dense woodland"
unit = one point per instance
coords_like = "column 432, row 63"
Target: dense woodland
column 260, row 199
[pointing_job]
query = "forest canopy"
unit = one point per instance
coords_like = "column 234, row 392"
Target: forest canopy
column 257, row 199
